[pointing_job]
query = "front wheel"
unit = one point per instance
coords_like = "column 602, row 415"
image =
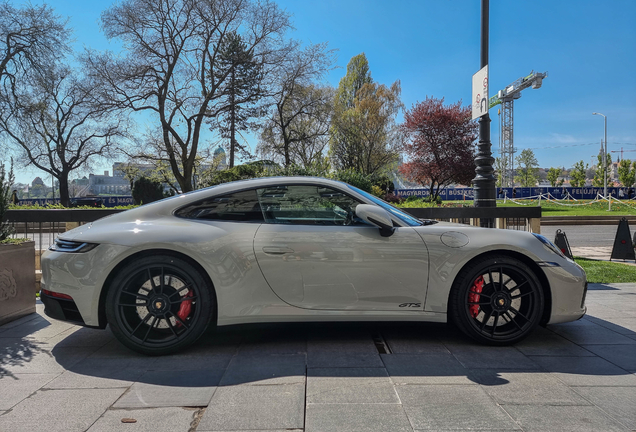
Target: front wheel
column 158, row 305
column 497, row 300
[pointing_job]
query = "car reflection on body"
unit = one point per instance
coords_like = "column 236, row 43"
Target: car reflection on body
column 290, row 249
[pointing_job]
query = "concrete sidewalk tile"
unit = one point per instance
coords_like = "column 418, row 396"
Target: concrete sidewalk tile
column 491, row 357
column 189, row 360
column 82, row 336
column 356, row 418
column 547, row 343
column 59, row 410
column 521, row 388
column 350, row 386
column 343, row 352
column 562, row 418
column 586, row 371
column 255, row 407
column 624, row 326
column 425, row 369
column 279, row 345
column 599, row 311
column 618, row 402
column 585, row 332
column 434, row 407
column 40, row 328
column 171, row 388
column 171, row 419
column 266, row 369
column 27, row 356
column 623, row 356
column 99, row 373
column 19, row 386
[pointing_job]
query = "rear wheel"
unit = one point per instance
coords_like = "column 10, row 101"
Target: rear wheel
column 497, row 300
column 159, row 305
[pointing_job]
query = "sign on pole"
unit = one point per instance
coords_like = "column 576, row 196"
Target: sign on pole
column 480, row 93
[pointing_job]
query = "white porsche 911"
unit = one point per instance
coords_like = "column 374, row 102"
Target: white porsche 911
column 289, row 249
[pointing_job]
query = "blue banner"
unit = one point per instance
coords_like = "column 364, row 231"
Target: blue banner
column 586, row 193
column 107, row 201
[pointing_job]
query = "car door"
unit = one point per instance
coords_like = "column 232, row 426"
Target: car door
column 315, row 254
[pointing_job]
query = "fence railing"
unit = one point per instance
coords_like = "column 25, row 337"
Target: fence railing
column 43, row 226
column 517, row 218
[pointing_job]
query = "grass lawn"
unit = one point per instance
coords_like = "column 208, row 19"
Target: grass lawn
column 606, row 272
column 573, row 208
column 578, row 208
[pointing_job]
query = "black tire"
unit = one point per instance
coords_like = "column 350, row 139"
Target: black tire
column 509, row 306
column 159, row 305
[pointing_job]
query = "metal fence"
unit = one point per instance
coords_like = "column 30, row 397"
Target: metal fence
column 43, row 226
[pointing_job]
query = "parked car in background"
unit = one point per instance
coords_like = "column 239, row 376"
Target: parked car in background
column 90, row 201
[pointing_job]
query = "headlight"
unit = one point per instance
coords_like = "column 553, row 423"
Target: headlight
column 71, row 246
column 548, row 244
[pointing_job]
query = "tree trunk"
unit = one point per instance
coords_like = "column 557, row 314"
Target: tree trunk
column 64, row 195
column 232, row 118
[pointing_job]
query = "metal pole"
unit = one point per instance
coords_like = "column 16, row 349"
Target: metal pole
column 604, row 156
column 484, row 182
column 605, row 167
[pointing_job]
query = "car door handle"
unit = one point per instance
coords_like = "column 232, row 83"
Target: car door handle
column 275, row 250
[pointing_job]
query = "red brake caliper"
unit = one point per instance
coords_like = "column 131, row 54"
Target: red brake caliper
column 473, row 296
column 185, row 308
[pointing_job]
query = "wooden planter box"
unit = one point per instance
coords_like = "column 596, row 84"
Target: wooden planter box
column 17, row 278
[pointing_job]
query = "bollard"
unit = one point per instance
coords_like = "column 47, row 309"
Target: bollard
column 561, row 241
column 623, row 247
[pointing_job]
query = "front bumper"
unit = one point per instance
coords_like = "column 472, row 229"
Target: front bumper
column 61, row 309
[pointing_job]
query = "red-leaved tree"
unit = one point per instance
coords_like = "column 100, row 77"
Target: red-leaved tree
column 439, row 144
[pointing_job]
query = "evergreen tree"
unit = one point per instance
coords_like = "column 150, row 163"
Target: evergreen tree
column 242, row 90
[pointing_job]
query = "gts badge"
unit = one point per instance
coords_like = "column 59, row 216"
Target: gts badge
column 410, row 305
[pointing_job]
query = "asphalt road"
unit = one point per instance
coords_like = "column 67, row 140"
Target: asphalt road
column 585, row 235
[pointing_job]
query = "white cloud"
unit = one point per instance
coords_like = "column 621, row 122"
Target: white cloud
column 563, row 139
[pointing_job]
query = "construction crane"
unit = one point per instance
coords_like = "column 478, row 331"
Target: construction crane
column 506, row 98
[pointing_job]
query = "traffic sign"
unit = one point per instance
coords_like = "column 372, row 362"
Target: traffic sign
column 480, row 93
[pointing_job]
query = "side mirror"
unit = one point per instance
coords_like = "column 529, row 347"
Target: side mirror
column 376, row 216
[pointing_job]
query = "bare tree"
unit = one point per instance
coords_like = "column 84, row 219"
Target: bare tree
column 31, row 39
column 171, row 64
column 297, row 132
column 300, row 109
column 57, row 124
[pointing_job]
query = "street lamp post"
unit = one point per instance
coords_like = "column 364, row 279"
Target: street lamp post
column 484, row 182
column 604, row 157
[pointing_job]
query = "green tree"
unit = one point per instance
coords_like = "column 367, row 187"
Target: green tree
column 146, row 190
column 6, row 180
column 599, row 176
column 553, row 176
column 169, row 62
column 578, row 174
column 627, row 172
column 242, row 90
column 528, row 170
column 363, row 133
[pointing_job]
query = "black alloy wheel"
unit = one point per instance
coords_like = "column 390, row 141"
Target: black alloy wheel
column 497, row 300
column 159, row 305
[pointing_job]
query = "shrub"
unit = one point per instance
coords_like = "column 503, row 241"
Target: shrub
column 6, row 180
column 146, row 191
column 354, row 178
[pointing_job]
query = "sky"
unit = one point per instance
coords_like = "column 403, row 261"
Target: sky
column 588, row 49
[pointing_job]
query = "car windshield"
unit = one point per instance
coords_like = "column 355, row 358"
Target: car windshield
column 404, row 217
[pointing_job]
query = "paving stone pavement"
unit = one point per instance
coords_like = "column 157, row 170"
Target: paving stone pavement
column 578, row 376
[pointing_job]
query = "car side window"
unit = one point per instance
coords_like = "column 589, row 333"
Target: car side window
column 238, row 207
column 308, row 205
